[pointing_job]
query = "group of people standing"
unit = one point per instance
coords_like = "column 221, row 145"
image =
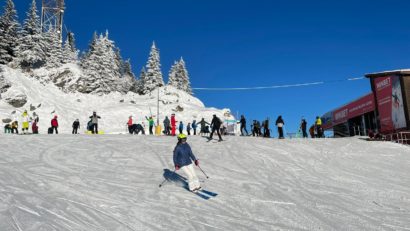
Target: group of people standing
column 262, row 129
column 26, row 119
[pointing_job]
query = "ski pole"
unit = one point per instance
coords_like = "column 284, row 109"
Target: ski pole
column 163, row 182
column 207, row 177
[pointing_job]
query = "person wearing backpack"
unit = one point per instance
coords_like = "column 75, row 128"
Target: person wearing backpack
column 216, row 125
column 280, row 123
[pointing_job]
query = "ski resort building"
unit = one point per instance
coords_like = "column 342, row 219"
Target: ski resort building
column 385, row 110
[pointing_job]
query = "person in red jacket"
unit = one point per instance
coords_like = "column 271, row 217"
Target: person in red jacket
column 173, row 124
column 129, row 123
column 54, row 125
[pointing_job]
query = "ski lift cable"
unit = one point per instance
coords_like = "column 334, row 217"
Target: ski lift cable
column 275, row 86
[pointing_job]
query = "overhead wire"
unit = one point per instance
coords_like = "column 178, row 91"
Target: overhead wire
column 276, row 86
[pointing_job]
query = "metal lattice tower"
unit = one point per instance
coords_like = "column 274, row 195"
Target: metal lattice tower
column 52, row 12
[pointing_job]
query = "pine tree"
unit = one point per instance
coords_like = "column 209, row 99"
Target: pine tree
column 31, row 51
column 179, row 78
column 183, row 72
column 70, row 55
column 129, row 81
column 91, row 46
column 9, row 33
column 54, row 51
column 141, row 81
column 71, row 41
column 172, row 76
column 100, row 66
column 153, row 77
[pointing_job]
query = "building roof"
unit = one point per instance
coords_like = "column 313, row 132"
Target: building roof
column 386, row 73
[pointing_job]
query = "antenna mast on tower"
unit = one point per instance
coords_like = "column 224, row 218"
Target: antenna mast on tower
column 52, row 12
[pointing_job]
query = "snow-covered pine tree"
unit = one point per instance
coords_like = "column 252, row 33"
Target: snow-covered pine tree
column 184, row 76
column 179, row 78
column 9, row 33
column 100, row 67
column 91, row 46
column 153, row 78
column 71, row 41
column 70, row 55
column 141, row 81
column 31, row 49
column 172, row 76
column 54, row 49
column 129, row 81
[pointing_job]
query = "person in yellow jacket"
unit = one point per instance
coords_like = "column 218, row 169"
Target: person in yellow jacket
column 318, row 124
column 25, row 122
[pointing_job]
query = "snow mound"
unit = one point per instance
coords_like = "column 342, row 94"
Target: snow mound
column 110, row 182
column 43, row 89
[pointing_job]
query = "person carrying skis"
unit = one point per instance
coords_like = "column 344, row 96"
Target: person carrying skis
column 151, row 124
column 26, row 122
column 173, row 124
column 243, row 125
column 167, row 126
column 216, row 125
column 194, row 126
column 54, row 124
column 94, row 122
column 181, row 127
column 183, row 158
column 280, row 123
column 76, row 125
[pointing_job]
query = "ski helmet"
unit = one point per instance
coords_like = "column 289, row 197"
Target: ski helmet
column 182, row 136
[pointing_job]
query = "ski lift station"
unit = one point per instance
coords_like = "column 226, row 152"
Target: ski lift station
column 385, row 110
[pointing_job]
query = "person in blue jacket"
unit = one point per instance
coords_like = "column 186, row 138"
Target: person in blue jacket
column 183, row 158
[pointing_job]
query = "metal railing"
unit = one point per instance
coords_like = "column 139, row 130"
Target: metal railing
column 399, row 137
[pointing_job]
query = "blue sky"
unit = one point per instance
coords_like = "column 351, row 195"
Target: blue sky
column 246, row 43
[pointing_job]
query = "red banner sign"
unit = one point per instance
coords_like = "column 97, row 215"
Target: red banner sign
column 359, row 107
column 390, row 103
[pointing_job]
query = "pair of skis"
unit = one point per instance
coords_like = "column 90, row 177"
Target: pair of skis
column 202, row 193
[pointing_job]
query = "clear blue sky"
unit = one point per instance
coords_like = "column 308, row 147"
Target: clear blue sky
column 245, row 43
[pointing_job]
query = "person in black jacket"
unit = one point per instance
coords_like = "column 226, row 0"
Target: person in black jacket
column 216, row 125
column 243, row 125
column 280, row 123
column 266, row 131
column 76, row 125
column 303, row 126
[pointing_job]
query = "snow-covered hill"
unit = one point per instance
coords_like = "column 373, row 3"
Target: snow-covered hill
column 40, row 93
column 111, row 182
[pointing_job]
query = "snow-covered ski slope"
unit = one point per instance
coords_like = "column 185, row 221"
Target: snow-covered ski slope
column 114, row 108
column 110, row 182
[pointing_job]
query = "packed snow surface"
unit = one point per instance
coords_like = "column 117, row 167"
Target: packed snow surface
column 110, row 182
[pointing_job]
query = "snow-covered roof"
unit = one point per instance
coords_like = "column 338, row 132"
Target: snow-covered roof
column 391, row 72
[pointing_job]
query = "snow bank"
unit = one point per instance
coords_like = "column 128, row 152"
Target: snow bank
column 47, row 100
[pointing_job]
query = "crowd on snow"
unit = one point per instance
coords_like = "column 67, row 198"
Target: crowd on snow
column 171, row 126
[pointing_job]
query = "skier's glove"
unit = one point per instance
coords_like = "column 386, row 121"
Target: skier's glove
column 196, row 162
column 176, row 167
